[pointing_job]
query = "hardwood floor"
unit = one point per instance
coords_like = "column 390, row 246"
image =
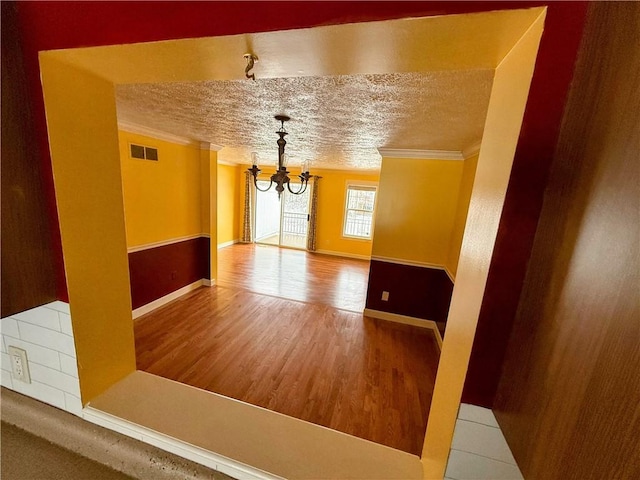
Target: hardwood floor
column 366, row 377
column 295, row 274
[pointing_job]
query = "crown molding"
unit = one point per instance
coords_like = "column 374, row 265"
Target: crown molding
column 210, row 146
column 472, row 150
column 345, row 168
column 421, row 154
column 228, row 163
column 157, row 134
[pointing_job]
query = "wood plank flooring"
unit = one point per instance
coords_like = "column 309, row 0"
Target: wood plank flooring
column 366, row 377
column 295, row 275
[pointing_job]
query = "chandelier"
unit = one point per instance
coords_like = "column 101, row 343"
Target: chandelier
column 281, row 177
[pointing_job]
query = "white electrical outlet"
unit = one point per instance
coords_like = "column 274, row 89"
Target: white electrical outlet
column 385, row 296
column 19, row 364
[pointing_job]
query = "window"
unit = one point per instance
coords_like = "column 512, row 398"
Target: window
column 358, row 215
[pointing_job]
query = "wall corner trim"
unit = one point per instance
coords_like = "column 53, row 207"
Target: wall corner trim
column 451, row 276
column 138, row 312
column 421, row 154
column 472, row 150
column 406, row 320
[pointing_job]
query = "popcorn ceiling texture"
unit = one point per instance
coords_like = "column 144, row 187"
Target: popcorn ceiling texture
column 336, row 121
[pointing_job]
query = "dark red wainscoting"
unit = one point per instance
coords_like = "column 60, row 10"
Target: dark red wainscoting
column 158, row 271
column 414, row 291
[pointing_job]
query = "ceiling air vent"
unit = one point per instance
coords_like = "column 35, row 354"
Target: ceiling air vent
column 143, row 153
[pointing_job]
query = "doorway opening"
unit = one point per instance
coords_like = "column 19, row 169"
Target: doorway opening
column 110, row 351
column 281, row 222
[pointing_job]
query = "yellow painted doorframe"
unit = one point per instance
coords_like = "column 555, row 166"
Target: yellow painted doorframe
column 78, row 88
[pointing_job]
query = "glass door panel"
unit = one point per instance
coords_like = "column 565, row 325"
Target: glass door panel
column 295, row 218
column 267, row 215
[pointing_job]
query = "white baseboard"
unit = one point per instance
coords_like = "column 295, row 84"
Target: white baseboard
column 343, row 254
column 199, row 455
column 208, row 283
column 169, row 297
column 416, row 322
column 228, row 244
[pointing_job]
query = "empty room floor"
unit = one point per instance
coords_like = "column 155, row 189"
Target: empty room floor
column 295, row 275
column 311, row 356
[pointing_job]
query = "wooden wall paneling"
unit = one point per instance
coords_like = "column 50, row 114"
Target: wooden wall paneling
column 158, row 271
column 28, row 278
column 523, row 202
column 569, row 397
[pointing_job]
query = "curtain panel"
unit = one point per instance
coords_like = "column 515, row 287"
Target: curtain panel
column 247, row 234
column 313, row 216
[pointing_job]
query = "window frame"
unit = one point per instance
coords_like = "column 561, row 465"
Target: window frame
column 359, row 185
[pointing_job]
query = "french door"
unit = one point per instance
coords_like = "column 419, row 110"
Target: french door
column 282, row 222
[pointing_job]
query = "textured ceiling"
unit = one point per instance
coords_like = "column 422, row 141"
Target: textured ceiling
column 336, row 121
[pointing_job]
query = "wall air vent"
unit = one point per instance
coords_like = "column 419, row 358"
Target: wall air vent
column 143, row 153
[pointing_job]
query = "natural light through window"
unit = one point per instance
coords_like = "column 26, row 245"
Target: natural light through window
column 358, row 215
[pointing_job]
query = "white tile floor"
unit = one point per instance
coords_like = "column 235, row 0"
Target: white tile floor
column 479, row 450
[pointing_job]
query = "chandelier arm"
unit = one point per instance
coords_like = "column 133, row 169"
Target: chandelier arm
column 255, row 183
column 301, row 190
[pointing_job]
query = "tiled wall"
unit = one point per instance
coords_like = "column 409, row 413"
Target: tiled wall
column 45, row 334
column 479, row 450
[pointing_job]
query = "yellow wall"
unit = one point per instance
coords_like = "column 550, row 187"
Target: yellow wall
column 161, row 199
column 209, row 204
column 331, row 203
column 417, row 216
column 205, row 186
column 83, row 137
column 229, row 203
column 416, row 209
column 464, row 196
